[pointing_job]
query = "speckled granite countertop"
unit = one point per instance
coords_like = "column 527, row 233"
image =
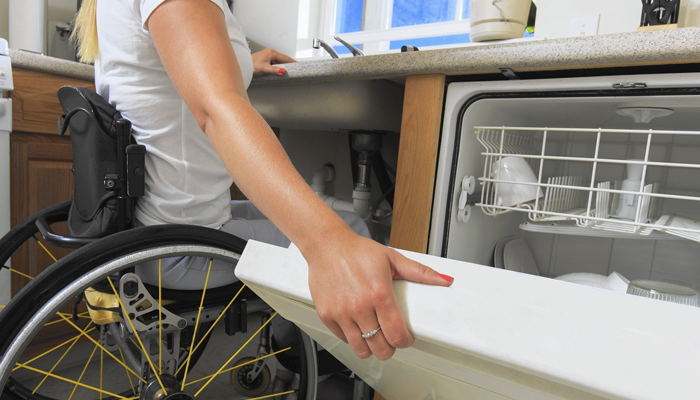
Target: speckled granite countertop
column 673, row 46
column 51, row 65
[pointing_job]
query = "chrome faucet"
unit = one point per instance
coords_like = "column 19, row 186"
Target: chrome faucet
column 355, row 51
column 318, row 43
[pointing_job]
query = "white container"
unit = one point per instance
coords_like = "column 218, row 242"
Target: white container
column 27, row 25
column 498, row 19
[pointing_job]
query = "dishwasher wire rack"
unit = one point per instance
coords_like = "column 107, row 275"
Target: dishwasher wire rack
column 579, row 198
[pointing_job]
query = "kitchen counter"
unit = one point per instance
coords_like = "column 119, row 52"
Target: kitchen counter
column 51, row 65
column 672, row 46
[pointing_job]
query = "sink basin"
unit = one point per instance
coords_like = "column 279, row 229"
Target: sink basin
column 342, row 105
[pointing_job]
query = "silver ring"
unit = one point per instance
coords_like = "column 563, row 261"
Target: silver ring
column 370, row 334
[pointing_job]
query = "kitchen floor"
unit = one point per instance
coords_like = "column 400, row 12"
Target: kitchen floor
column 220, row 348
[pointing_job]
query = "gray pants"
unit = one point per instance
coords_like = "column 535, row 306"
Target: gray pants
column 247, row 222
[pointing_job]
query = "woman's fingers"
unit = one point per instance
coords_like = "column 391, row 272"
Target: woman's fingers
column 393, row 324
column 410, row 270
column 354, row 336
column 377, row 343
column 264, row 60
column 279, row 58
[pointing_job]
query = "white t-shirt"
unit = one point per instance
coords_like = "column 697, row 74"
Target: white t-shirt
column 186, row 182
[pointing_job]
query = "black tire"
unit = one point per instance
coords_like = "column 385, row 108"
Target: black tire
column 38, row 301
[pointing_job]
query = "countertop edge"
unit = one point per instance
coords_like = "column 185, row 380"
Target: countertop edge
column 672, row 46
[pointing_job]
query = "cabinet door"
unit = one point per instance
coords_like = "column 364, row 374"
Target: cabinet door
column 40, row 176
column 498, row 334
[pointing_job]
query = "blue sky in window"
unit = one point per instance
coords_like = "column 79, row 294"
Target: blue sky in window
column 348, row 16
column 415, row 12
column 431, row 41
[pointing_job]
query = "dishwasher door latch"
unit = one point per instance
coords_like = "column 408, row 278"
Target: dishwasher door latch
column 509, row 73
column 629, row 85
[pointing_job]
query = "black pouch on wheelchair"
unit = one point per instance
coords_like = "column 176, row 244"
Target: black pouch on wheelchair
column 108, row 170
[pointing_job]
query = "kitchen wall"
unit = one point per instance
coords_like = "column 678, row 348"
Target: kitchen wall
column 554, row 17
column 288, row 26
column 58, row 11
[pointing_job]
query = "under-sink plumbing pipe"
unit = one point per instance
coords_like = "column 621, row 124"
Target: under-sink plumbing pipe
column 320, row 177
column 361, row 196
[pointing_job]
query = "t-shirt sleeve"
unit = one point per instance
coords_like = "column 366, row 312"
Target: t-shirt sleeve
column 148, row 6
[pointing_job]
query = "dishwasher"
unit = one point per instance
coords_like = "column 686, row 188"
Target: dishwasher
column 559, row 205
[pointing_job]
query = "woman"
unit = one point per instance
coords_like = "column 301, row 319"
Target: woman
column 178, row 69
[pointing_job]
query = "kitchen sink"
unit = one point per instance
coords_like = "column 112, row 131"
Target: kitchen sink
column 341, row 105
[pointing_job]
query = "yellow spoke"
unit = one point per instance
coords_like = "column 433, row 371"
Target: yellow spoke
column 196, row 325
column 127, row 372
column 61, row 358
column 80, row 378
column 214, row 324
column 272, row 395
column 20, row 273
column 71, row 381
column 145, row 353
column 160, row 319
column 237, row 366
column 45, row 249
column 102, row 348
column 102, row 362
column 234, row 356
column 55, row 348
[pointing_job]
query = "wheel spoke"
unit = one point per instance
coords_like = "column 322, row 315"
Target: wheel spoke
column 75, row 340
column 160, row 318
column 272, row 395
column 102, row 347
column 71, row 381
column 83, row 372
column 143, row 348
column 237, row 366
column 127, row 372
column 234, row 356
column 45, row 249
column 196, row 325
column 213, row 325
column 102, row 362
column 55, row 348
column 18, row 272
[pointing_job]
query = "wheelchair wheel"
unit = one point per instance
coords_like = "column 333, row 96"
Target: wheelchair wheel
column 132, row 353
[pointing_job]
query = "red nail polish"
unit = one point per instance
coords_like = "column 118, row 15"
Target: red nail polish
column 282, row 71
column 446, row 277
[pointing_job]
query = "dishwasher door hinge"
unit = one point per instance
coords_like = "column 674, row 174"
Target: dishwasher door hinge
column 629, row 85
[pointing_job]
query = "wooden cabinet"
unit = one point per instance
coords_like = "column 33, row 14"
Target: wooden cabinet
column 40, row 160
column 40, row 175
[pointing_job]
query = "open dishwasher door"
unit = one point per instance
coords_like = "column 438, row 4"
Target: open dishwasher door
column 498, row 334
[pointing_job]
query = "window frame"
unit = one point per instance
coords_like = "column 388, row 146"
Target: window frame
column 377, row 33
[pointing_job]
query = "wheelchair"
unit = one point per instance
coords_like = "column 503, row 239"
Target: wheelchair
column 124, row 338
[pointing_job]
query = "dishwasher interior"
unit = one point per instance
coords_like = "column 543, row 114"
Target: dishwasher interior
column 588, row 157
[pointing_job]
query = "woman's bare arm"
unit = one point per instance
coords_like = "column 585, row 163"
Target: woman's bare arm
column 349, row 276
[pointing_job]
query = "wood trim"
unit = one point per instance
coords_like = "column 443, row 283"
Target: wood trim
column 418, row 151
column 35, row 107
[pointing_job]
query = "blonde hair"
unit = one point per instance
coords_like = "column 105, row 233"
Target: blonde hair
column 85, row 32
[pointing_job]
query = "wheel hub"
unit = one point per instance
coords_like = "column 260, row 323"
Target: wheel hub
column 153, row 391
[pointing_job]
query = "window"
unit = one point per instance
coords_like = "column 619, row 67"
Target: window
column 380, row 26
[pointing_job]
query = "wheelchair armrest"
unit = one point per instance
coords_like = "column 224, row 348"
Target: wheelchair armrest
column 58, row 240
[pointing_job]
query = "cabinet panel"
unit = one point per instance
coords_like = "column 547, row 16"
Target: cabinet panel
column 40, row 176
column 34, row 102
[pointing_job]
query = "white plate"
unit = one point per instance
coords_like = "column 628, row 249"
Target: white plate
column 614, row 281
column 498, row 252
column 517, row 256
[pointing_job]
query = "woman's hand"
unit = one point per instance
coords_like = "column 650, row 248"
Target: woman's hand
column 263, row 61
column 351, row 285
